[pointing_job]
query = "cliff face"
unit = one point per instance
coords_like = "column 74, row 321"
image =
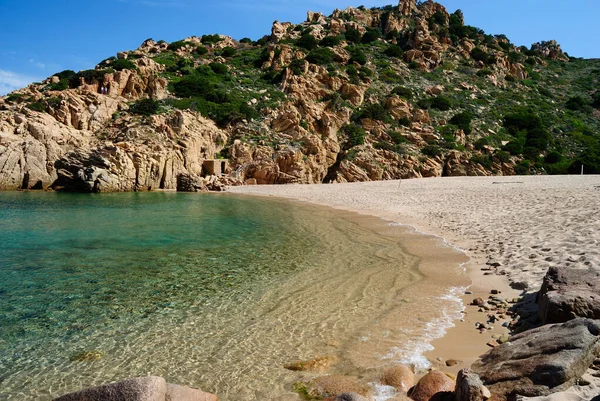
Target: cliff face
column 386, row 93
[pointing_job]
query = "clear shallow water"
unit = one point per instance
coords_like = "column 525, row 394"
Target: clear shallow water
column 212, row 291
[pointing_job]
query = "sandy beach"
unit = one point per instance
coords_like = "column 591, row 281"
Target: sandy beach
column 512, row 229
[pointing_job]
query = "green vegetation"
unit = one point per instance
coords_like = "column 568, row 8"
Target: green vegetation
column 538, row 116
column 145, row 107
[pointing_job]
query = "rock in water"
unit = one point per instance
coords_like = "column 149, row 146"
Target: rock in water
column 401, row 377
column 569, row 293
column 151, row 388
column 540, row 361
column 430, row 385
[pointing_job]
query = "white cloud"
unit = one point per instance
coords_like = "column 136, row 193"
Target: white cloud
column 10, row 81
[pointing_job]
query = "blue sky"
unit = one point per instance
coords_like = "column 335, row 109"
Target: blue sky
column 42, row 37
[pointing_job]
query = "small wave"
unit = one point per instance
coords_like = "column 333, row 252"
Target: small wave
column 411, row 353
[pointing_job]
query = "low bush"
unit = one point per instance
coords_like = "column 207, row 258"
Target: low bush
column 463, row 121
column 228, row 51
column 393, row 51
column 352, row 35
column 123, row 64
column 330, row 41
column 321, row 56
column 145, row 107
column 307, row 41
column 355, row 134
column 402, row 92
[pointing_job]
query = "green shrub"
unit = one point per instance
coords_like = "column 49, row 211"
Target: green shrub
column 397, row 138
column 431, row 150
column 596, row 100
column 357, row 55
column 246, row 40
column 553, row 157
column 576, row 103
column 330, row 41
column 228, row 51
column 441, row 103
column 218, row 68
column 390, row 76
column 60, row 85
column 463, row 121
column 145, row 107
column 174, row 46
column 37, row 106
column 478, row 54
column 521, row 120
column 484, row 160
column 66, row 74
column 210, row 39
column 402, row 92
column 393, row 51
column 405, row 122
column 307, row 41
column 503, row 156
column 355, row 134
column 297, row 66
column 123, row 64
column 484, row 72
column 352, row 35
column 523, row 167
column 321, row 55
column 371, row 36
column 374, row 111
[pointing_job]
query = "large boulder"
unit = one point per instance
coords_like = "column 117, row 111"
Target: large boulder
column 433, row 385
column 569, row 293
column 540, row 361
column 400, row 376
column 151, row 388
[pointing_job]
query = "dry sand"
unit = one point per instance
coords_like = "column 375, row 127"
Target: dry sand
column 512, row 228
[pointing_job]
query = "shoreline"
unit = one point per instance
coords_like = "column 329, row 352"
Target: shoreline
column 504, row 225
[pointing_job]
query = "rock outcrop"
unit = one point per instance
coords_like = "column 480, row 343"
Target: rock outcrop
column 540, row 361
column 569, row 293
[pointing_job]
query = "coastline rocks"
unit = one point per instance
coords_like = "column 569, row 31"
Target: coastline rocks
column 434, row 383
column 569, row 293
column 540, row 361
column 347, row 397
column 469, row 387
column 400, row 377
column 151, row 388
column 334, row 385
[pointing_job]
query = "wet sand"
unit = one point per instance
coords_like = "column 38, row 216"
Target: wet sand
column 512, row 229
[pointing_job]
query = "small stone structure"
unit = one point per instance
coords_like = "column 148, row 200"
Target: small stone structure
column 216, row 167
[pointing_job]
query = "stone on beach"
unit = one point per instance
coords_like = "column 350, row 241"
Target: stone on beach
column 400, row 377
column 469, row 387
column 317, row 364
column 430, row 385
column 569, row 293
column 540, row 361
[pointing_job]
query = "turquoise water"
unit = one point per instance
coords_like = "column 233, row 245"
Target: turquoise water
column 207, row 290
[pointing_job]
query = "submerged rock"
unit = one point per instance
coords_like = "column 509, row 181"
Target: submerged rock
column 151, row 388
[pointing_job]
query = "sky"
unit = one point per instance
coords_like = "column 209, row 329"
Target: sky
column 41, row 37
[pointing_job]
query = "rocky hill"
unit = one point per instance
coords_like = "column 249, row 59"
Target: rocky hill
column 363, row 94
